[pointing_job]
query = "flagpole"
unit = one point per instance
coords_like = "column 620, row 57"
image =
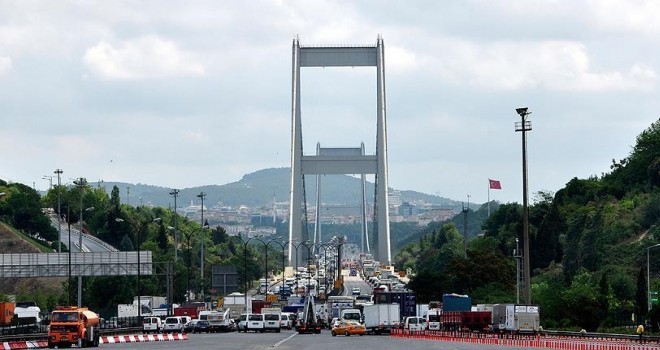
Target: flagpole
column 488, row 197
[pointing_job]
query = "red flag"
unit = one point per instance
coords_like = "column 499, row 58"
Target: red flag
column 495, row 184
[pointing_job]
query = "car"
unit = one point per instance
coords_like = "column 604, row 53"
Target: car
column 242, row 322
column 356, row 291
column 272, row 321
column 190, row 326
column 152, row 324
column 173, row 324
column 348, row 328
column 256, row 322
column 286, row 321
column 202, row 326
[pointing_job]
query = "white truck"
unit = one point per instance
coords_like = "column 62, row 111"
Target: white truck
column 219, row 321
column 433, row 319
column 516, row 318
column 381, row 318
column 235, row 302
column 131, row 310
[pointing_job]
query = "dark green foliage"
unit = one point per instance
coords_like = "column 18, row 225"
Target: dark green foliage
column 20, row 206
column 587, row 247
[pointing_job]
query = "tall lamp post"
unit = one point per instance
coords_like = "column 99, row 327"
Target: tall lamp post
column 245, row 282
column 189, row 236
column 139, row 229
column 59, row 210
column 81, row 182
column 525, row 125
column 175, row 193
column 281, row 246
column 201, row 248
column 648, row 276
column 80, row 249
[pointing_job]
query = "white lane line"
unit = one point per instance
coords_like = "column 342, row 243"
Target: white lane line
column 282, row 341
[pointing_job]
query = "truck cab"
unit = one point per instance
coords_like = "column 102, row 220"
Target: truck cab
column 73, row 325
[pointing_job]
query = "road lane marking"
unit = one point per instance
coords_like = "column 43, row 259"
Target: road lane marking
column 282, row 341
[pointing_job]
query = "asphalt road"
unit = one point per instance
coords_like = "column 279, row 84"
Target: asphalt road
column 290, row 340
column 89, row 244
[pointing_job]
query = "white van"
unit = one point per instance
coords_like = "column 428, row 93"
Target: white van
column 173, row 324
column 286, row 321
column 255, row 322
column 272, row 321
column 242, row 322
column 152, row 324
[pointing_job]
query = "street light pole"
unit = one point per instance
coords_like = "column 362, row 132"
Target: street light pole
column 175, row 193
column 525, row 125
column 80, row 182
column 648, row 276
column 59, row 211
column 202, row 195
column 139, row 266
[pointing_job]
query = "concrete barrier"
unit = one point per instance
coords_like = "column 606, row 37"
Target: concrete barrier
column 29, row 344
column 138, row 338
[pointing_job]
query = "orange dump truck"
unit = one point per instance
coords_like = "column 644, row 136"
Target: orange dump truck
column 73, row 325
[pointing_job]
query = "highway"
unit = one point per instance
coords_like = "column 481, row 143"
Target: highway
column 89, row 243
column 355, row 281
column 290, row 340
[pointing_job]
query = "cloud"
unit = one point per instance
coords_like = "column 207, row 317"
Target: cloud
column 5, row 64
column 554, row 65
column 142, row 58
column 635, row 16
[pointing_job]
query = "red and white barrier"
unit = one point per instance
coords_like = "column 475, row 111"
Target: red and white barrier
column 559, row 343
column 25, row 344
column 138, row 338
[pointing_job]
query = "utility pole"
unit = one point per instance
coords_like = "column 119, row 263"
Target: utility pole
column 525, row 125
column 59, row 211
column 80, row 182
column 201, row 242
column 128, row 195
column 465, row 226
column 175, row 193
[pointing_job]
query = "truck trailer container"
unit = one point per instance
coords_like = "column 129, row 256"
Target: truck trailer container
column 407, row 301
column 456, row 302
column 381, row 318
column 516, row 318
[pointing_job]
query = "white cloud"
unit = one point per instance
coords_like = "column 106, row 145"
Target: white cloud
column 639, row 16
column 5, row 64
column 555, row 65
column 141, row 58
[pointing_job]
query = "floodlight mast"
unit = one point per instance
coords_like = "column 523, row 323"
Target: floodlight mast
column 524, row 126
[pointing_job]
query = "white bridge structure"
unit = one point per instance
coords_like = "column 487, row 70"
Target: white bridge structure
column 339, row 161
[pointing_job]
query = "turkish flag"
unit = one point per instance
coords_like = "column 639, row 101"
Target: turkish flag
column 494, row 184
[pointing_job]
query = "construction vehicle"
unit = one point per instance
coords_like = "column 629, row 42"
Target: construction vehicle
column 73, row 325
column 309, row 323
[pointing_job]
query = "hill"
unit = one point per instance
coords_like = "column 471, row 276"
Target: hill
column 260, row 188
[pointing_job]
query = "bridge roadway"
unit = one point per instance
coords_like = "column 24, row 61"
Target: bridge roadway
column 290, row 340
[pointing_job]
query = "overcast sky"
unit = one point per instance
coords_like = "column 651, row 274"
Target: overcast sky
column 188, row 93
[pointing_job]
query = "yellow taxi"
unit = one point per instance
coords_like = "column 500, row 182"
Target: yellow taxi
column 348, row 328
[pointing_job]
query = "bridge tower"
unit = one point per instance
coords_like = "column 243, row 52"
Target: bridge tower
column 338, row 163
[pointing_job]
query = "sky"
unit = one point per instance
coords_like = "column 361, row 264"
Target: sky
column 190, row 93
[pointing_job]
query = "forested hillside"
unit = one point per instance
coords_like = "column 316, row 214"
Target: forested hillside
column 588, row 244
